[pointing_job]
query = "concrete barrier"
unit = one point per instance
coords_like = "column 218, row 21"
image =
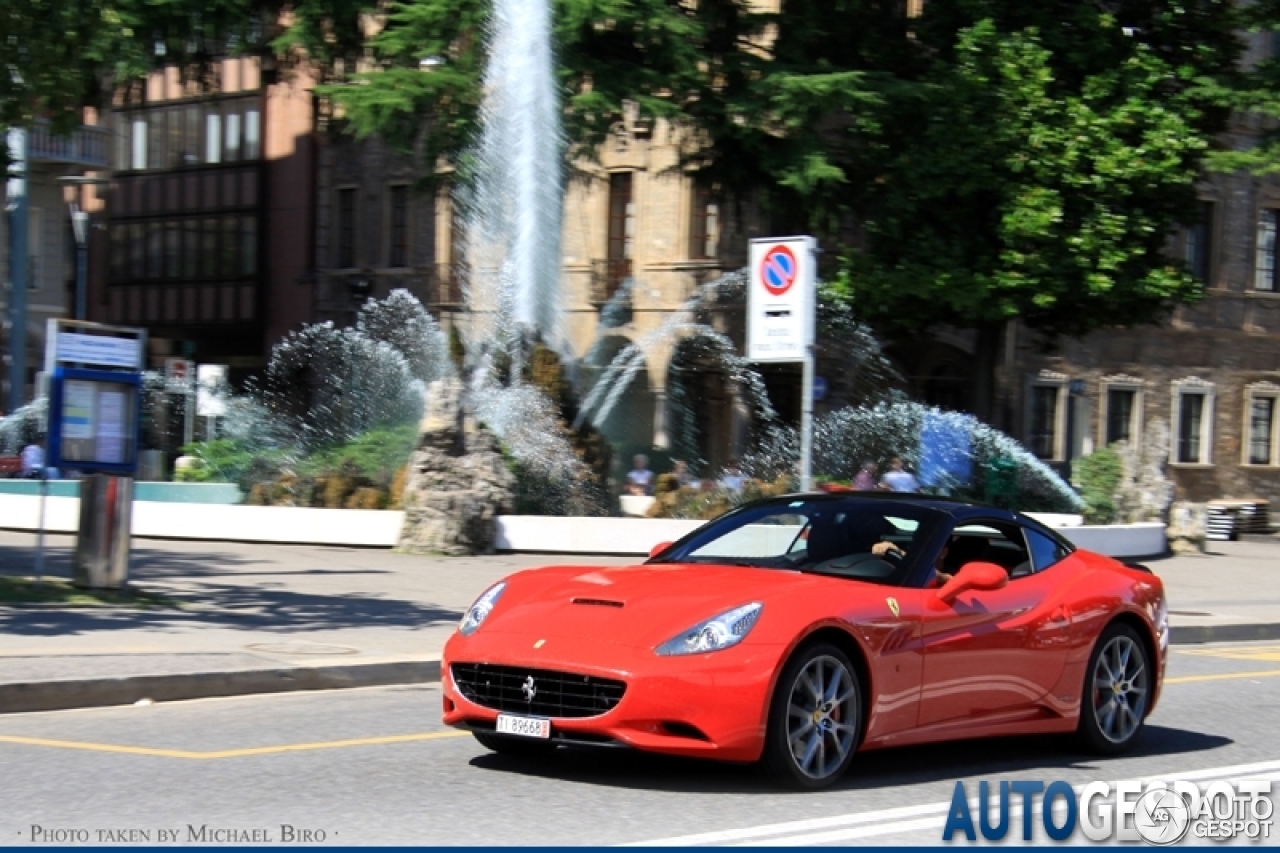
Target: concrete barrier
column 381, row 528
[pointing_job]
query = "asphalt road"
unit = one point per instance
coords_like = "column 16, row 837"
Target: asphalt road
column 375, row 767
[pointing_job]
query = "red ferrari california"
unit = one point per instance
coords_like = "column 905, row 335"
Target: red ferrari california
column 799, row 630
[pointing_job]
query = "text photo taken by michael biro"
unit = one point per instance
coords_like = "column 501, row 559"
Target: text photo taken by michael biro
column 517, row 423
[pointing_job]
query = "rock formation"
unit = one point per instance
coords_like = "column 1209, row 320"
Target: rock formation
column 458, row 481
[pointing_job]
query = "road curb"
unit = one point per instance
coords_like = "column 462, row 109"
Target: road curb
column 1192, row 635
column 20, row 697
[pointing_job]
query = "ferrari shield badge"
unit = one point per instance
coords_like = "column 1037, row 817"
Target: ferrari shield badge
column 893, row 605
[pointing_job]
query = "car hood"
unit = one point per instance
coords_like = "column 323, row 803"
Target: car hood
column 635, row 605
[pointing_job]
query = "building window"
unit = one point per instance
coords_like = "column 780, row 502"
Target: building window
column 1265, row 265
column 249, row 246
column 213, row 137
column 1122, row 420
column 704, row 225
column 398, row 254
column 1261, row 423
column 1043, row 432
column 1193, row 421
column 346, row 227
column 252, row 133
column 622, row 216
column 1197, row 243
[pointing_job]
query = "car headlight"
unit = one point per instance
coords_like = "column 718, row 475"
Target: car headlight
column 477, row 612
column 718, row 632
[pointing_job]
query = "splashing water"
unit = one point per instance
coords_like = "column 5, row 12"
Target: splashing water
column 953, row 453
column 512, row 203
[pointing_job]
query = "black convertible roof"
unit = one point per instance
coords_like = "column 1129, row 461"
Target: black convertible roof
column 953, row 507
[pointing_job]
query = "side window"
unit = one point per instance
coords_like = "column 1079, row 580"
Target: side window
column 1044, row 551
column 988, row 541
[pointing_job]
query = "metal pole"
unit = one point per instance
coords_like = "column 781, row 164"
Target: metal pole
column 44, row 492
column 82, row 265
column 806, row 421
column 17, row 210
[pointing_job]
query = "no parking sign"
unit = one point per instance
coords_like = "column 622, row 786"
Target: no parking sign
column 780, row 299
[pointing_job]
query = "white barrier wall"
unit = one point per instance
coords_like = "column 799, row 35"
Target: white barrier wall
column 381, row 528
column 220, row 522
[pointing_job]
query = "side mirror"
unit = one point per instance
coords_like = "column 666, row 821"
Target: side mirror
column 979, row 576
column 658, row 549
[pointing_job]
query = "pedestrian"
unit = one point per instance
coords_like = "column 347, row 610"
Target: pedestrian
column 866, row 481
column 640, row 478
column 32, row 461
column 732, row 480
column 898, row 478
column 681, row 472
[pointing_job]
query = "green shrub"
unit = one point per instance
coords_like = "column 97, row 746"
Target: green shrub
column 1098, row 476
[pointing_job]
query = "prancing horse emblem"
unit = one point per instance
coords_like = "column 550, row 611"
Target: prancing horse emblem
column 529, row 689
column 893, row 605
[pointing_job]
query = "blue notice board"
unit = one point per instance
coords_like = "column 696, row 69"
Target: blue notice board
column 94, row 420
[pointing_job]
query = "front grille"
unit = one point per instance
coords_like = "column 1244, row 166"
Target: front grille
column 555, row 694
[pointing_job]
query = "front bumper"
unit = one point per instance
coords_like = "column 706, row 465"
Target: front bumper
column 712, row 705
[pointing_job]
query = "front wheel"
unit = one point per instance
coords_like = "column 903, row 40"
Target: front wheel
column 814, row 719
column 1117, row 691
column 513, row 746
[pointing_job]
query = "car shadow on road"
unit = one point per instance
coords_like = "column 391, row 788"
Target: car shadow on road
column 878, row 769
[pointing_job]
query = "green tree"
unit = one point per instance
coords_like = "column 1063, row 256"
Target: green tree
column 1037, row 168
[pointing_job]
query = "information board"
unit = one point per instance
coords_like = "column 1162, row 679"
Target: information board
column 96, row 416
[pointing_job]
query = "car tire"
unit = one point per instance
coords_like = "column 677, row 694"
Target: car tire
column 1117, row 691
column 811, row 738
column 513, row 745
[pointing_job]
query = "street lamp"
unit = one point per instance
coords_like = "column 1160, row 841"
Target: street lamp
column 80, row 230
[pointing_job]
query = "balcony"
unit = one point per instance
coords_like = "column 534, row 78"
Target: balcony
column 85, row 147
column 446, row 289
column 607, row 277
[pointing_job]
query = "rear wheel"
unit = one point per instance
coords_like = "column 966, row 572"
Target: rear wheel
column 512, row 745
column 1117, row 691
column 814, row 719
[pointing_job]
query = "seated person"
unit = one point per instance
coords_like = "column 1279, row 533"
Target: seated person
column 956, row 552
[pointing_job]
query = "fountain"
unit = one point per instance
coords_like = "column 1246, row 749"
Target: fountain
column 496, row 436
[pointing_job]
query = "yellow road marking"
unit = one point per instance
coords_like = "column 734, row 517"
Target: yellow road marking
column 1220, row 676
column 191, row 755
column 227, row 753
column 1259, row 653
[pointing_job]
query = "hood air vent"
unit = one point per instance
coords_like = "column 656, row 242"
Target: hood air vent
column 597, row 602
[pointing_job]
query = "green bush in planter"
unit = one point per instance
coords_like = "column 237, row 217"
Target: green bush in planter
column 1098, row 476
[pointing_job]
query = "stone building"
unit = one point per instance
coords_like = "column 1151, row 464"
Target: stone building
column 1210, row 372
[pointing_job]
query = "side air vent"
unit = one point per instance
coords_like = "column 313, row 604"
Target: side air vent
column 597, row 602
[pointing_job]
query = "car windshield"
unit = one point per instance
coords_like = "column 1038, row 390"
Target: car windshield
column 858, row 538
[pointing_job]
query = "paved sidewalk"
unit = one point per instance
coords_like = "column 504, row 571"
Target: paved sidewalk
column 265, row 618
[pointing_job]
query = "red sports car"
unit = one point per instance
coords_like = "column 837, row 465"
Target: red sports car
column 799, row 630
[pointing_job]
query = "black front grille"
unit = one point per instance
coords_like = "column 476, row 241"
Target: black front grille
column 555, row 694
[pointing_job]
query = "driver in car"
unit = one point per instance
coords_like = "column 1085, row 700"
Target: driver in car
column 940, row 574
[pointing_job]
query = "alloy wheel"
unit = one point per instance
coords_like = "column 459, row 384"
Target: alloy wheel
column 1120, row 688
column 822, row 717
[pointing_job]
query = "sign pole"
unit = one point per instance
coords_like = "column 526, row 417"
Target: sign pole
column 44, row 491
column 806, row 422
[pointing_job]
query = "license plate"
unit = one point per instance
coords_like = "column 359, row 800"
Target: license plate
column 509, row 724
